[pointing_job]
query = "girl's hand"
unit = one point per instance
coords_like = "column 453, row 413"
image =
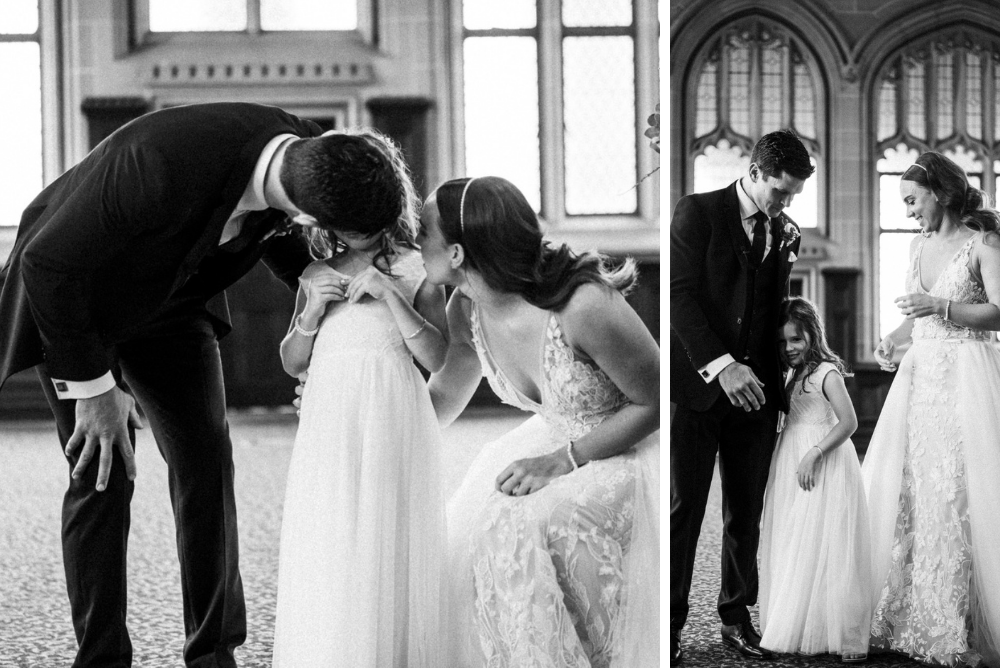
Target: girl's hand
column 321, row 285
column 372, row 282
column 884, row 352
column 916, row 305
column 808, row 468
column 530, row 475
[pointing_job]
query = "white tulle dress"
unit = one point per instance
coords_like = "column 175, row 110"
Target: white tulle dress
column 566, row 576
column 362, row 535
column 815, row 585
column 932, row 476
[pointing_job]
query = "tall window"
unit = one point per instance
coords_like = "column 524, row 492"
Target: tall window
column 939, row 94
column 550, row 101
column 250, row 15
column 754, row 77
column 21, row 131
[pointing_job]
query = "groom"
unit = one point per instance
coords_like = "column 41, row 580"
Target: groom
column 114, row 292
column 731, row 252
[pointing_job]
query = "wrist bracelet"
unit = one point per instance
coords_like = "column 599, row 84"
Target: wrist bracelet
column 569, row 453
column 947, row 310
column 308, row 333
column 419, row 329
column 821, row 453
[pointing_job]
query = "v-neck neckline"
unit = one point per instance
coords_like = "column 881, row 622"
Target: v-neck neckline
column 920, row 272
column 497, row 370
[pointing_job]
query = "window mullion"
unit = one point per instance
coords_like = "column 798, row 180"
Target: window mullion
column 788, row 85
column 959, row 96
column 756, row 90
column 550, row 111
column 253, row 17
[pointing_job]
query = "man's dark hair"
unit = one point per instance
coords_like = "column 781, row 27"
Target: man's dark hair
column 782, row 151
column 343, row 181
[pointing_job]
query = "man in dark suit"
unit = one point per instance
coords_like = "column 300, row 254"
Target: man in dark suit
column 731, row 252
column 114, row 292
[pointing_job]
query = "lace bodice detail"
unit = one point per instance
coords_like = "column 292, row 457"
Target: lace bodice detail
column 809, row 405
column 956, row 283
column 575, row 396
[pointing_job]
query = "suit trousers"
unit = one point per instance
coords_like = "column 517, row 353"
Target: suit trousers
column 175, row 372
column 744, row 442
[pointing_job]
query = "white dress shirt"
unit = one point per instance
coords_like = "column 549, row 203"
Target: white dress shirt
column 251, row 200
column 747, row 211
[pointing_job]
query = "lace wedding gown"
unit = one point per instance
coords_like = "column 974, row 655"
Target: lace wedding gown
column 932, row 477
column 566, row 576
column 362, row 533
column 814, row 551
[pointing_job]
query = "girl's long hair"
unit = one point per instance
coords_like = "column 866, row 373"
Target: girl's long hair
column 943, row 177
column 803, row 314
column 503, row 242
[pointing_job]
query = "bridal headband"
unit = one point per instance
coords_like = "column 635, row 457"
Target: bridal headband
column 917, row 164
column 461, row 205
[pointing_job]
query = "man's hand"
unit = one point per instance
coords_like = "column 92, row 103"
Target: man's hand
column 742, row 387
column 102, row 422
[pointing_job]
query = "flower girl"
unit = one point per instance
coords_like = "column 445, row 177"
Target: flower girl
column 362, row 535
column 815, row 588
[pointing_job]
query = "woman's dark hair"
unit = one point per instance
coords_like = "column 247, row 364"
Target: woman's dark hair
column 949, row 184
column 782, row 151
column 803, row 314
column 503, row 242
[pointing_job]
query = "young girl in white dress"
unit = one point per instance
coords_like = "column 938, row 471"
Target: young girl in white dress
column 359, row 577
column 815, row 588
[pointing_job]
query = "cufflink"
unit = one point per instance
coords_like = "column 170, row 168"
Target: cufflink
column 704, row 374
column 61, row 387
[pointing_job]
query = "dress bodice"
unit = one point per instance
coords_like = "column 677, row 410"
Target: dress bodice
column 956, row 283
column 575, row 395
column 368, row 325
column 808, row 404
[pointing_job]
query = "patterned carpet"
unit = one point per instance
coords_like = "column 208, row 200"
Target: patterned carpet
column 35, row 626
column 701, row 641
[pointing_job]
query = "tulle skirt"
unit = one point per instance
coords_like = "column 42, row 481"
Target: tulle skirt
column 566, row 576
column 815, row 584
column 362, row 536
column 942, row 408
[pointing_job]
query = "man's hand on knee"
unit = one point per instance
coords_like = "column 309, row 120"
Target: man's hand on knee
column 742, row 386
column 102, row 424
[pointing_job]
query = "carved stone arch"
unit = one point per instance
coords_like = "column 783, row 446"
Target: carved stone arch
column 884, row 40
column 691, row 31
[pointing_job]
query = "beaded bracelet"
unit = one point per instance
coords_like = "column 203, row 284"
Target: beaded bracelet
column 569, row 453
column 308, row 333
column 947, row 310
column 419, row 329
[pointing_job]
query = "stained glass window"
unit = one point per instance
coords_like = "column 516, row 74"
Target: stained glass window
column 753, row 79
column 946, row 80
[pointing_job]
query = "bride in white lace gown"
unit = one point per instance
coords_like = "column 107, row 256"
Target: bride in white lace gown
column 932, row 470
column 553, row 534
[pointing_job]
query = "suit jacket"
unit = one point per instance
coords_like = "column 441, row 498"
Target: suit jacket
column 709, row 288
column 134, row 227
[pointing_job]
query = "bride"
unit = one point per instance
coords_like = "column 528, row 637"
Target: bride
column 932, row 470
column 554, row 544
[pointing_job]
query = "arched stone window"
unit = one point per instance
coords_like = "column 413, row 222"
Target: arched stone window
column 753, row 77
column 940, row 94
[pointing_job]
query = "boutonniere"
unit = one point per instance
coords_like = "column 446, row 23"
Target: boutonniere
column 789, row 233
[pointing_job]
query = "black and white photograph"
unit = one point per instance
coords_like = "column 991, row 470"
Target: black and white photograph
column 834, row 299
column 330, row 332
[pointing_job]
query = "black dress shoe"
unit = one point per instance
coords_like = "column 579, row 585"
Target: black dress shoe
column 676, row 653
column 745, row 640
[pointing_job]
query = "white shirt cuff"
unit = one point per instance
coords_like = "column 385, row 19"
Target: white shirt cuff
column 83, row 389
column 715, row 367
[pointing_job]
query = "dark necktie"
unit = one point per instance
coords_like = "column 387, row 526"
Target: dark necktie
column 759, row 238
